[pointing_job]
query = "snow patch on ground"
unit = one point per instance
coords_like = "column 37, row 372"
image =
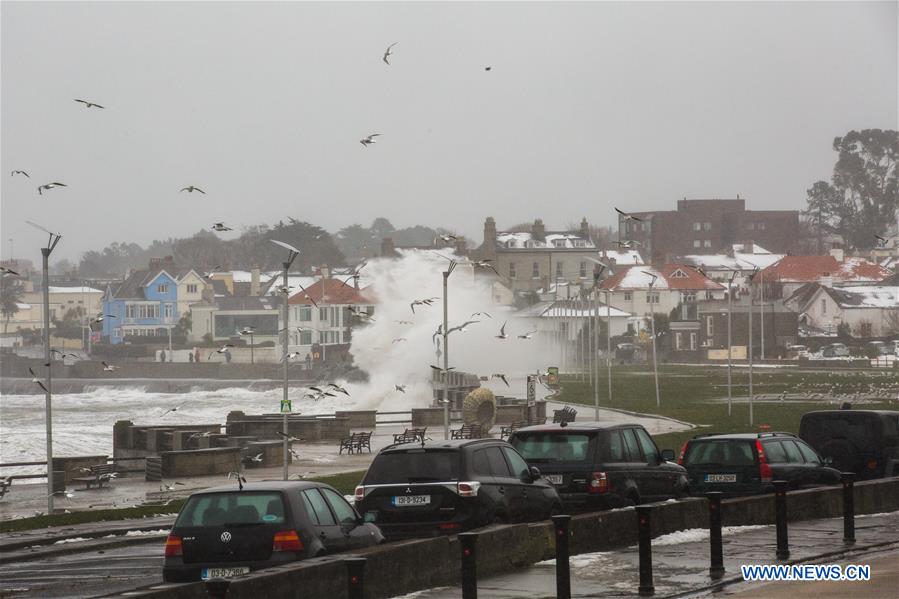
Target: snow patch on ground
column 72, row 540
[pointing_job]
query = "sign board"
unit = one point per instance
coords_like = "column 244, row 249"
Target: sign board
column 552, row 376
column 285, row 406
column 737, row 352
column 532, row 389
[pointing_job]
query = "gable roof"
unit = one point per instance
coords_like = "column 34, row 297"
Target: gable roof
column 669, row 276
column 807, row 269
column 330, row 292
column 868, row 296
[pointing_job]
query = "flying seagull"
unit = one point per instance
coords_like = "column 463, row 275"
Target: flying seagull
column 462, row 327
column 8, row 271
column 108, row 367
column 388, row 53
column 360, row 313
column 403, row 322
column 627, row 216
column 338, row 388
column 292, row 355
column 437, row 333
column 881, row 241
column 240, row 479
column 502, row 332
column 654, row 277
column 191, row 189
column 34, row 378
column 628, row 243
column 485, row 264
column 502, row 377
column 400, row 388
column 290, row 439
column 481, row 314
column 399, row 339
column 89, row 104
column 527, row 335
column 48, row 186
column 224, row 349
column 20, row 173
column 175, row 409
column 166, row 487
column 368, row 140
column 487, row 68
column 446, row 238
column 221, row 227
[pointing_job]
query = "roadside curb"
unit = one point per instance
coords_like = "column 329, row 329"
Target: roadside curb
column 629, row 413
column 90, row 534
column 91, row 544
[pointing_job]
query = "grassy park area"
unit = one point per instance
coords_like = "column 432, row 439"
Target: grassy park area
column 697, row 394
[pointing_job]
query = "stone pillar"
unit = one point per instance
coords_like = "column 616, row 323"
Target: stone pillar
column 122, row 436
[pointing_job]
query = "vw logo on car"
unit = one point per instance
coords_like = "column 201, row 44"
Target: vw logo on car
column 226, row 536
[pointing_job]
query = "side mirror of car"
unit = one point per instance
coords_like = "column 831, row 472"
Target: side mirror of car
column 535, row 472
column 828, row 460
column 668, row 455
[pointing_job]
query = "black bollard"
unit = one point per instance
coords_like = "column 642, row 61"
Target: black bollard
column 217, row 588
column 563, row 568
column 355, row 567
column 780, row 517
column 468, row 541
column 716, row 550
column 644, row 533
column 848, row 507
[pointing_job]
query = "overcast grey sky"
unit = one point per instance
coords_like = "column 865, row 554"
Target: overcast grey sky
column 587, row 105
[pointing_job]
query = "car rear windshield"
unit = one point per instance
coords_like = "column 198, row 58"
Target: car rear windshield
column 413, row 466
column 551, row 446
column 866, row 430
column 723, row 452
column 240, row 508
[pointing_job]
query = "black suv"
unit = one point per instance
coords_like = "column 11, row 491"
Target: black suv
column 449, row 486
column 601, row 466
column 749, row 463
column 227, row 531
column 862, row 441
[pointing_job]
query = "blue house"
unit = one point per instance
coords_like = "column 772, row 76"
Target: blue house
column 145, row 304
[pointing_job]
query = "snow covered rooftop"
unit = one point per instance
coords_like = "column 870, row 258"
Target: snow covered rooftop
column 552, row 240
column 622, row 258
column 868, row 296
column 73, row 290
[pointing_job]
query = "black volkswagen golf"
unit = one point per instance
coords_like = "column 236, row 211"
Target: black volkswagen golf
column 443, row 487
column 225, row 531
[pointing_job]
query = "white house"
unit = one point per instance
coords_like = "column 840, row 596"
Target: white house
column 869, row 310
column 640, row 290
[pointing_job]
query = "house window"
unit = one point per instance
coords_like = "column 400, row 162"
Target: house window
column 580, row 243
column 697, row 243
column 709, row 328
column 322, row 314
column 536, row 270
column 305, row 337
column 709, row 295
column 697, row 226
column 678, row 274
column 707, row 243
column 652, row 297
column 692, row 341
column 163, row 288
column 511, row 270
column 169, row 311
column 583, row 270
column 131, row 311
column 824, row 306
column 677, row 340
column 627, row 296
column 559, row 243
column 192, row 288
column 559, row 269
column 305, row 313
column 750, row 226
column 707, row 226
column 335, row 317
column 865, row 329
column 689, row 297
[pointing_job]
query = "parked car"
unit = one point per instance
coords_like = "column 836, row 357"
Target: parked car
column 862, row 441
column 749, row 463
column 835, row 350
column 597, row 466
column 226, row 531
column 441, row 487
column 797, row 351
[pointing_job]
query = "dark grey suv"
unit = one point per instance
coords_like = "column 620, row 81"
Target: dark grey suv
column 597, row 466
column 442, row 487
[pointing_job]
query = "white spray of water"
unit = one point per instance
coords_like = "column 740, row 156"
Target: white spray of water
column 415, row 275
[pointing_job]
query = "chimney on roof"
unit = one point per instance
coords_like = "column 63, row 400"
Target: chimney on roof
column 585, row 228
column 826, row 280
column 538, row 231
column 388, row 250
column 488, row 249
column 837, row 253
column 326, row 272
column 254, row 281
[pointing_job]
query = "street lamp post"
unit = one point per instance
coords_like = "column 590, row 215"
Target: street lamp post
column 250, row 331
column 652, row 320
column 730, row 292
column 751, row 302
column 285, row 403
column 446, row 275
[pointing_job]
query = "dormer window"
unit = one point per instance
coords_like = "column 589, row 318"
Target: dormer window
column 559, row 243
column 580, row 243
column 678, row 274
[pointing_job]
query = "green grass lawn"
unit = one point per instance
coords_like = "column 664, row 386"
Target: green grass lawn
column 692, row 394
column 345, row 483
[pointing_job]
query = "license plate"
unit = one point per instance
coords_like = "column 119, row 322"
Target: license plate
column 720, row 478
column 411, row 500
column 208, row 573
column 555, row 479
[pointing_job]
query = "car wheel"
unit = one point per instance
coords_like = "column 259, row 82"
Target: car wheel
column 631, row 500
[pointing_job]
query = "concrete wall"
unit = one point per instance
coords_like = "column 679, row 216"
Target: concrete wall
column 404, row 567
column 359, row 418
column 510, row 413
column 427, row 417
column 200, row 462
column 71, row 465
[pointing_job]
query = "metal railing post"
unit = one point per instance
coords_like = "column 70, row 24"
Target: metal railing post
column 562, row 525
column 644, row 533
column 716, row 549
column 780, row 516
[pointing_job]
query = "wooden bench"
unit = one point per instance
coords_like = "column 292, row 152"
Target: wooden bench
column 356, row 442
column 99, row 474
column 566, row 414
column 466, row 431
column 410, row 435
column 505, row 431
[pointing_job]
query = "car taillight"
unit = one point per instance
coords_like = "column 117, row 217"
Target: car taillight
column 468, row 489
column 449, row 526
column 287, row 540
column 173, row 546
column 872, row 464
column 599, row 483
column 359, row 495
column 764, row 468
column 683, row 451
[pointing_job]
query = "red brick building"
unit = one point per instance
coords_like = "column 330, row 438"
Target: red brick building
column 708, row 227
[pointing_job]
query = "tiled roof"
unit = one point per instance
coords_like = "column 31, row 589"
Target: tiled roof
column 874, row 296
column 330, row 292
column 669, row 276
column 806, row 269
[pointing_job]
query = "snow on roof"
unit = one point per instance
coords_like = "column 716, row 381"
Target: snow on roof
column 669, row 276
column 739, row 261
column 73, row 290
column 558, row 239
column 23, row 306
column 805, row 269
column 641, row 278
column 246, row 276
column 868, row 296
column 622, row 258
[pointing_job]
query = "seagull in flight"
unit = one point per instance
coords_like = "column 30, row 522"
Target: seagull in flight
column 240, row 479
column 20, row 173
column 191, row 189
column 360, row 313
column 175, row 409
column 462, row 327
column 881, row 241
column 446, row 238
column 62, row 355
column 481, row 314
column 224, row 349
column 89, row 104
column 338, row 388
column 502, row 332
column 485, row 264
column 502, row 377
column 221, row 227
column 48, row 186
column 628, row 243
column 8, row 271
column 292, row 355
column 400, row 388
column 34, row 379
column 388, row 53
column 527, row 335
column 627, row 216
column 101, row 316
column 290, row 439
column 369, row 139
column 399, row 339
column 67, row 494
column 108, row 367
column 422, row 302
